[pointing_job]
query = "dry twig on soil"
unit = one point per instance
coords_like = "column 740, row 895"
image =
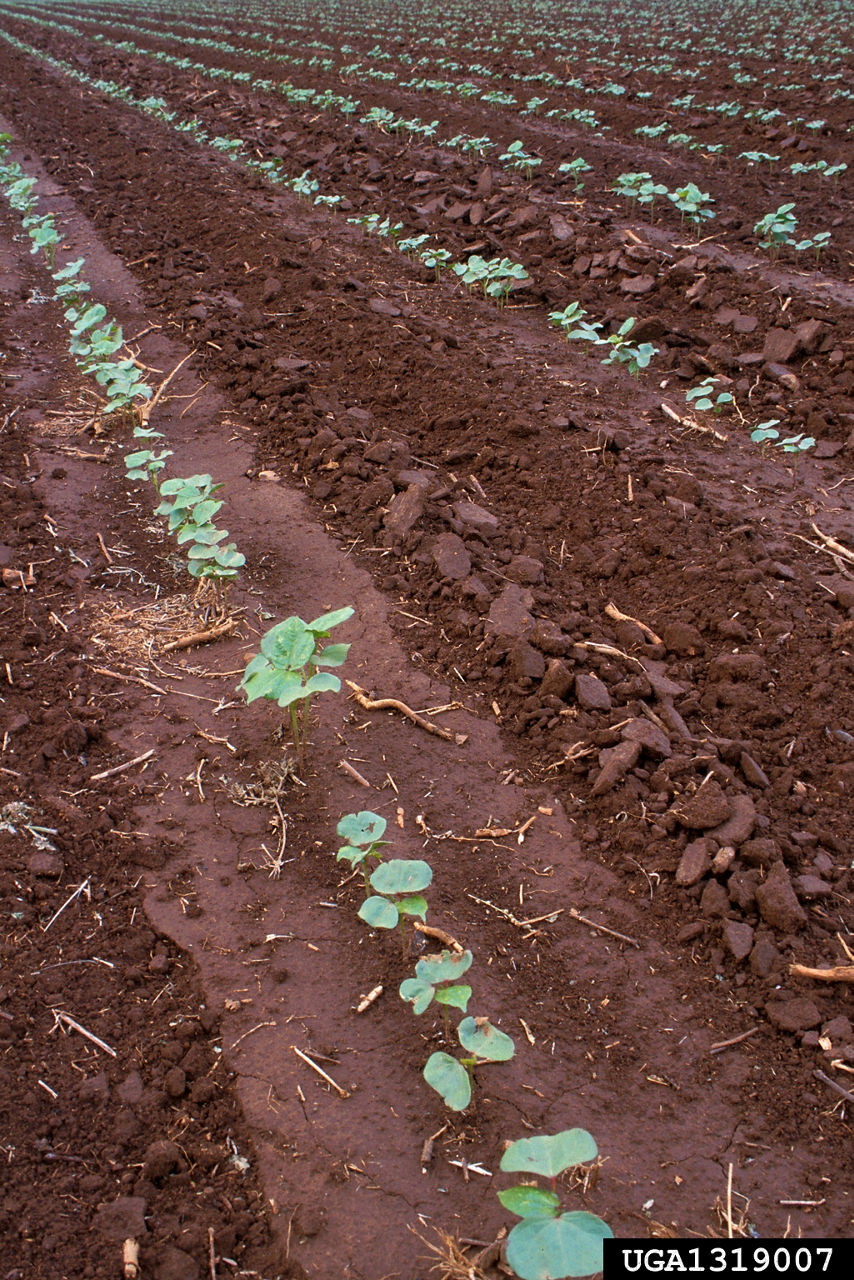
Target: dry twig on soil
column 839, row 973
column 122, row 768
column 201, row 637
column 394, row 704
column 430, row 931
column 342, row 1093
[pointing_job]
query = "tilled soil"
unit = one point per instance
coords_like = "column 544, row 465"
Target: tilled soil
column 491, row 502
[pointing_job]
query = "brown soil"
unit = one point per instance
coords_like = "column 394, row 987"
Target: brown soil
column 481, row 493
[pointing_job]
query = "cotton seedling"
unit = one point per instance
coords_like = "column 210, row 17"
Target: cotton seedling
column 758, row 157
column 123, row 383
column 502, row 274
column 649, row 192
column 43, row 235
column 146, row 464
column 495, row 275
column 305, row 186
column 575, row 168
column 551, row 1243
column 438, row 978
column 777, row 228
column 796, row 445
column 452, row 1077
column 764, row 433
column 287, row 670
column 462, row 142
column 585, row 332
column 572, row 314
column 692, row 204
column 380, row 117
column 435, row 260
column 210, row 558
column 516, row 157
column 495, row 98
column 411, row 244
column 69, row 287
column 628, row 185
column 20, row 193
column 816, row 243
column 182, row 499
column 397, row 893
column 703, row 398
column 363, row 833
column 622, row 352
column 652, row 130
column 230, row 147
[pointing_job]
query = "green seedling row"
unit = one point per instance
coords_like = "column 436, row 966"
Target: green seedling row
column 95, row 341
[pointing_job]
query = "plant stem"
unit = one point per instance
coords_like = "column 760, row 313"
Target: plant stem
column 295, row 734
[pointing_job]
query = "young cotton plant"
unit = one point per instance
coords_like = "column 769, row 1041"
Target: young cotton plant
column 629, row 185
column 287, row 670
column 438, row 978
column 398, row 892
column 435, row 260
column 551, row 1243
column 766, row 433
column 93, row 343
column 777, row 228
column 575, row 168
column 622, row 352
column 363, row 833
column 304, row 186
column 43, row 234
column 462, row 142
column 146, row 464
column 452, row 1077
column 495, row 275
column 189, row 507
column 572, row 315
column 516, row 157
column 703, row 398
column 692, row 204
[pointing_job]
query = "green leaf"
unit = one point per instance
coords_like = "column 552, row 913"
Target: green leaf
column 402, row 875
column 287, row 687
column 205, row 543
column 138, row 458
column 379, row 913
column 230, row 558
column 334, row 655
column 289, row 644
column 444, row 967
column 417, row 993
column 348, row 853
column 457, row 997
column 324, row 624
column 204, row 511
column 260, row 680
column 553, row 1248
column 480, row 1037
column 450, row 1080
column 415, row 905
column 550, row 1154
column 363, row 828
column 322, row 682
column 91, row 316
column 530, row 1202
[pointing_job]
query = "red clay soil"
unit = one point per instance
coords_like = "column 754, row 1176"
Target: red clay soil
column 490, row 502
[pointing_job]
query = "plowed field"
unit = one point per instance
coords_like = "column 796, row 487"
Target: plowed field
column 625, row 626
